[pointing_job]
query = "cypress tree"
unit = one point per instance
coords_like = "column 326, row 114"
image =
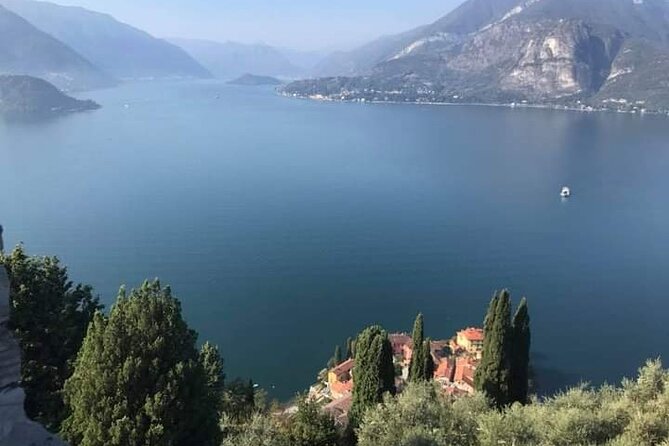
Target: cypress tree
column 138, row 378
column 520, row 354
column 337, row 355
column 418, row 356
column 493, row 373
column 374, row 373
column 429, row 366
column 350, row 348
column 335, row 360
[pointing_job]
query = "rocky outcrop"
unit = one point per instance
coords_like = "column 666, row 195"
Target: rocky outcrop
column 15, row 428
column 601, row 54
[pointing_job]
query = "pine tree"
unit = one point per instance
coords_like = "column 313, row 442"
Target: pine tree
column 49, row 316
column 418, row 355
column 212, row 364
column 374, row 372
column 138, row 379
column 493, row 373
column 520, row 354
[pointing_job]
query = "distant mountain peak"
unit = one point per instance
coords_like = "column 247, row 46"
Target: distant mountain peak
column 118, row 48
column 228, row 60
column 556, row 52
column 27, row 50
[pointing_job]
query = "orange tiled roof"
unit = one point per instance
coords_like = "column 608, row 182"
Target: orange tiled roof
column 339, row 388
column 464, row 370
column 344, row 368
column 472, row 334
column 444, row 369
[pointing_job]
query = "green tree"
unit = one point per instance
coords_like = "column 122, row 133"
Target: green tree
column 520, row 358
column 422, row 416
column 374, row 372
column 429, row 367
column 350, row 348
column 49, row 316
column 336, row 358
column 261, row 430
column 138, row 379
column 418, row 355
column 239, row 400
column 493, row 373
column 212, row 365
column 311, row 427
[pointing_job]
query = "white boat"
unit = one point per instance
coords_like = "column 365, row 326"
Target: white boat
column 566, row 192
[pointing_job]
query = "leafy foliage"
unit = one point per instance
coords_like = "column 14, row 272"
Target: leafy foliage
column 635, row 414
column 309, row 426
column 418, row 416
column 520, row 354
column 374, row 372
column 493, row 374
column 138, row 378
column 49, row 315
column 503, row 374
column 421, row 356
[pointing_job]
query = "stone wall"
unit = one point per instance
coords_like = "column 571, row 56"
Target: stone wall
column 15, row 428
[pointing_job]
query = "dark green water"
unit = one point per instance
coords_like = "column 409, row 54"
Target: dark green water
column 286, row 226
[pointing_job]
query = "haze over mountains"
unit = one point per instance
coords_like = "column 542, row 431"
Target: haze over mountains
column 24, row 49
column 29, row 96
column 231, row 59
column 598, row 53
column 576, row 53
column 118, row 49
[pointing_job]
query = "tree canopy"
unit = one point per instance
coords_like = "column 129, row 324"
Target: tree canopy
column 49, row 316
column 138, row 379
column 374, row 372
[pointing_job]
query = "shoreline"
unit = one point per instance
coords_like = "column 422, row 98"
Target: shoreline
column 484, row 104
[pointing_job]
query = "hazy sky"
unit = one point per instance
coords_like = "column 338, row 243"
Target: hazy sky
column 301, row 24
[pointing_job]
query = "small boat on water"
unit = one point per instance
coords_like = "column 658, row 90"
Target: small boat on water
column 566, row 192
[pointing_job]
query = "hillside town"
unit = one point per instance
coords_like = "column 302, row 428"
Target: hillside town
column 455, row 361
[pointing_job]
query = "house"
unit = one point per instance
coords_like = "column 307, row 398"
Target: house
column 402, row 345
column 339, row 409
column 465, row 370
column 444, row 370
column 340, row 379
column 471, row 340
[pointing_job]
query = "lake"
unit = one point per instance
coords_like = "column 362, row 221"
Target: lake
column 285, row 226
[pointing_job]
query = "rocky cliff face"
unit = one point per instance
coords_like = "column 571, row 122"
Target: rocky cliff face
column 540, row 52
column 15, row 428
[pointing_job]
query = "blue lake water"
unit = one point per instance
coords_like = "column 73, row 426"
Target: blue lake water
column 285, row 226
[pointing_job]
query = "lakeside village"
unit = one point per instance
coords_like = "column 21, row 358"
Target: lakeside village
column 455, row 361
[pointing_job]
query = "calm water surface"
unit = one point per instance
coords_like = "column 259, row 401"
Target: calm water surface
column 285, row 226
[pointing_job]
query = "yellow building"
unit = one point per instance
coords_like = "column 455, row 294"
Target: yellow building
column 471, row 340
column 340, row 379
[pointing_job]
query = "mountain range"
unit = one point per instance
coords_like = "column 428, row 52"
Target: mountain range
column 120, row 50
column 228, row 60
column 610, row 54
column 24, row 49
